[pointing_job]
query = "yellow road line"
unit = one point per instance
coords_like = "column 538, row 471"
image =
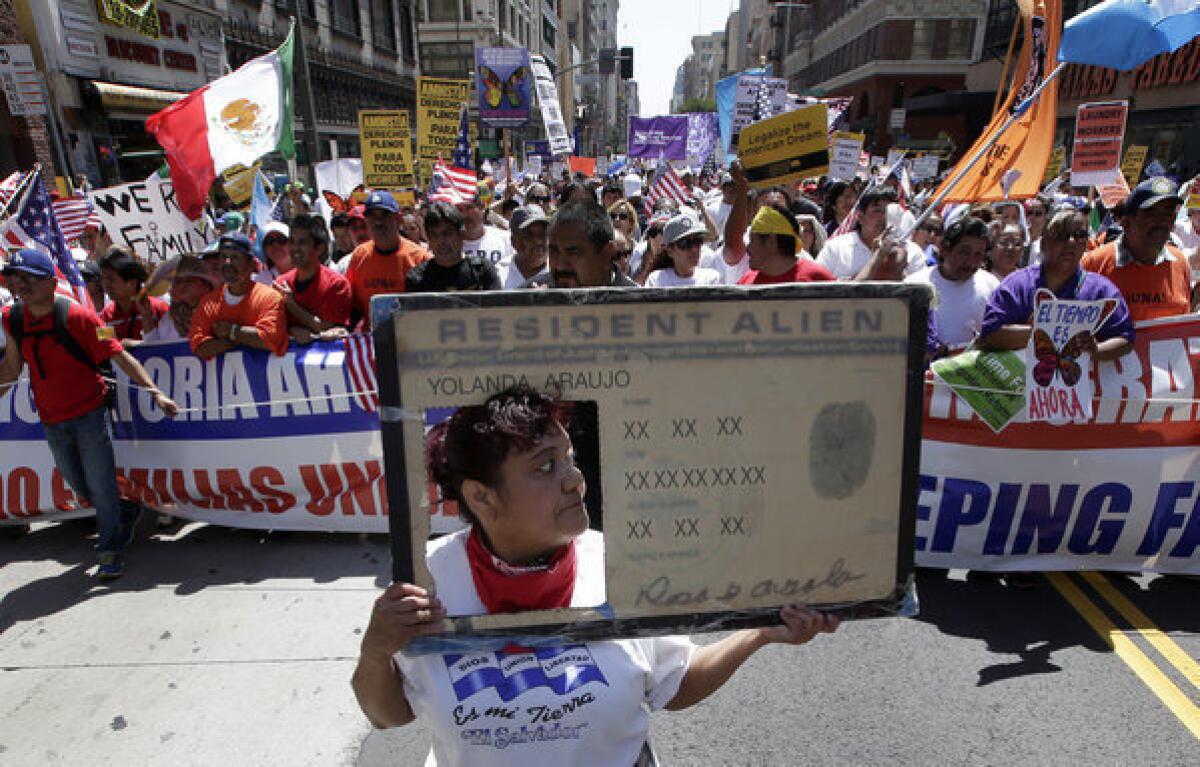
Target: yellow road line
column 1158, row 682
column 1145, row 627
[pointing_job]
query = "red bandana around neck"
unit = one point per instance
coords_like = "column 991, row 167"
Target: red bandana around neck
column 505, row 588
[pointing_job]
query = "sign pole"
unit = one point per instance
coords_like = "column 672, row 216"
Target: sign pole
column 307, row 104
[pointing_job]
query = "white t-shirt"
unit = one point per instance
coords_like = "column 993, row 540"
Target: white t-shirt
column 846, row 255
column 729, row 275
column 512, row 279
column 667, row 278
column 165, row 330
column 495, row 245
column 581, row 704
column 960, row 305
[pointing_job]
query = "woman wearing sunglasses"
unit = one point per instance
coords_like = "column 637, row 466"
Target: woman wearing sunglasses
column 625, row 220
column 684, row 236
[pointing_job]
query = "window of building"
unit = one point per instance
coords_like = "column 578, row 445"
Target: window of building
column 922, row 40
column 345, row 17
column 961, row 39
column 407, row 43
column 446, row 10
column 548, row 33
column 383, row 24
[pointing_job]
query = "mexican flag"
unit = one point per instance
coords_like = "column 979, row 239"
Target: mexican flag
column 234, row 120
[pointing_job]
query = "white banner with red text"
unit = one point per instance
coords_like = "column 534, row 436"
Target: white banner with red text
column 1118, row 492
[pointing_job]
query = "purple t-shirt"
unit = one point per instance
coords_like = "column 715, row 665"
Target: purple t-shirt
column 1012, row 303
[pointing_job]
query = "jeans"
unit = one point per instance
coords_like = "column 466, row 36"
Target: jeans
column 83, row 452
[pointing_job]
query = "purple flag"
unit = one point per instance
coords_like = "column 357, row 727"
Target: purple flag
column 654, row 137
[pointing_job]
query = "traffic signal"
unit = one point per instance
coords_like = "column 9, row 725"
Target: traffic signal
column 626, row 58
column 607, row 58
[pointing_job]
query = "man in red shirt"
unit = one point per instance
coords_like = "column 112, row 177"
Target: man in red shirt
column 64, row 345
column 128, row 313
column 775, row 250
column 317, row 298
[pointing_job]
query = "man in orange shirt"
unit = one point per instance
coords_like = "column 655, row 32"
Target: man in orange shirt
column 242, row 312
column 380, row 265
column 1152, row 275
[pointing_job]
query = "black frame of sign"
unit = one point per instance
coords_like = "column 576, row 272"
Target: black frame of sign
column 917, row 298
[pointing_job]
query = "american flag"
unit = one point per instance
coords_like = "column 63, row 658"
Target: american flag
column 73, row 214
column 9, row 186
column 34, row 226
column 452, row 184
column 462, row 147
column 360, row 365
column 668, row 184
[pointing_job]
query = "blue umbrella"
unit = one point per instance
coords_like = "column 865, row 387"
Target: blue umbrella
column 1124, row 34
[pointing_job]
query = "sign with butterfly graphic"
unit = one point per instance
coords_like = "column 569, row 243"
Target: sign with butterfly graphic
column 504, row 86
column 1058, row 389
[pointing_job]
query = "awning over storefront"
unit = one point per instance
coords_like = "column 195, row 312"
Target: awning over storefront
column 128, row 98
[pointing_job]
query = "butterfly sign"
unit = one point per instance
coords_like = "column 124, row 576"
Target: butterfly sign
column 1059, row 358
column 340, row 204
column 505, row 83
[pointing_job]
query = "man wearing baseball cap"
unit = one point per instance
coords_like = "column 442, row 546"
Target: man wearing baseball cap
column 1151, row 274
column 64, row 345
column 529, row 227
column 242, row 312
column 381, row 264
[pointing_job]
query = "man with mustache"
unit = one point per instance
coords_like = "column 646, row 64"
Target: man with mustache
column 582, row 251
column 1151, row 274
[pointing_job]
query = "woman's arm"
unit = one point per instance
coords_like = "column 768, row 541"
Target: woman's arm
column 402, row 612
column 1005, row 338
column 712, row 665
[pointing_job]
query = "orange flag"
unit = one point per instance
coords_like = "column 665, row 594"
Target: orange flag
column 1026, row 146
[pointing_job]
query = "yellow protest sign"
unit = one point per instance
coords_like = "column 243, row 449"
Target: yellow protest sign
column 239, row 183
column 1058, row 158
column 406, row 198
column 438, row 105
column 1193, row 200
column 786, row 148
column 1131, row 165
column 386, row 148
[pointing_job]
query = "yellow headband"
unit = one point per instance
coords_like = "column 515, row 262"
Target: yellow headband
column 770, row 221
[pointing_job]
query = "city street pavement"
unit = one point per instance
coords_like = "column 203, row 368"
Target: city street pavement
column 235, row 647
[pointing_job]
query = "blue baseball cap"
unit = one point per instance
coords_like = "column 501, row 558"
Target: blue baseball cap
column 32, row 262
column 380, row 200
column 235, row 241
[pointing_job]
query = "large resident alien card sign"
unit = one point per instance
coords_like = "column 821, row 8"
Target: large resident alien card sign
column 744, row 448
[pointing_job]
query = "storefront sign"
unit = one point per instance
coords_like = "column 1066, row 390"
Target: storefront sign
column 386, row 148
column 1099, row 133
column 141, row 17
column 439, row 104
column 21, row 81
column 787, row 148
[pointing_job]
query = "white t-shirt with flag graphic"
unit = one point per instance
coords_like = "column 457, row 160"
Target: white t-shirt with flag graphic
column 580, row 704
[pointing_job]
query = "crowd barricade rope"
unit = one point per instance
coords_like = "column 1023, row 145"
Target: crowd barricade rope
column 292, row 443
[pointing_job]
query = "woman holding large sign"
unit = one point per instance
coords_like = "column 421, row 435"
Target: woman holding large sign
column 510, row 465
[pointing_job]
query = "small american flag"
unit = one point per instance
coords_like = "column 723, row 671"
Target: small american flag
column 72, row 214
column 462, row 147
column 34, row 225
column 710, row 174
column 9, row 186
column 452, row 184
column 668, row 184
column 360, row 365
